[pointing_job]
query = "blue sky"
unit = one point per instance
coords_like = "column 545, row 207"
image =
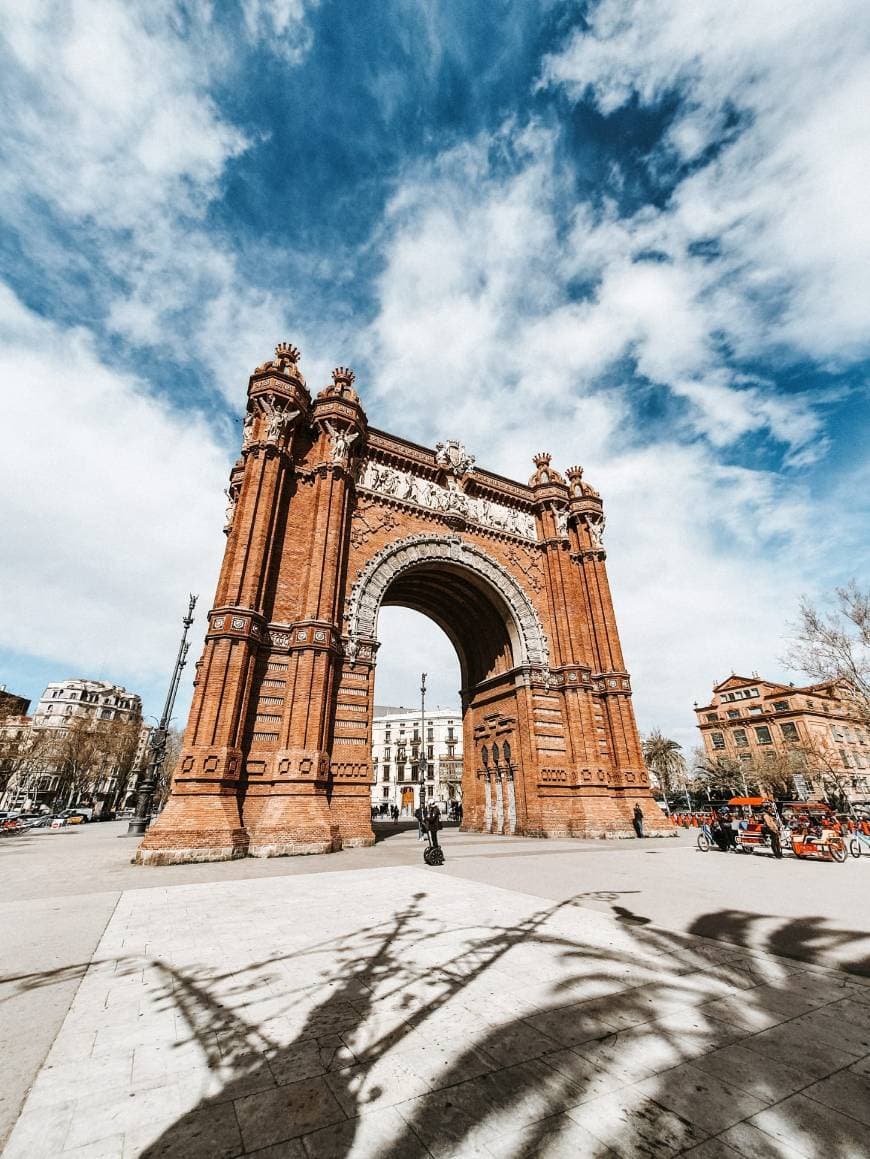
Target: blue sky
column 634, row 234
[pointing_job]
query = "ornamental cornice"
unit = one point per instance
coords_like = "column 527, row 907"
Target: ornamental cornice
column 611, row 682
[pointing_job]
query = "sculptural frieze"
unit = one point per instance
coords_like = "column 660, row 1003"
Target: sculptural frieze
column 408, row 488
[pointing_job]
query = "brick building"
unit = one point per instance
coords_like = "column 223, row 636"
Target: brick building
column 328, row 519
column 397, row 735
column 819, row 727
column 12, row 705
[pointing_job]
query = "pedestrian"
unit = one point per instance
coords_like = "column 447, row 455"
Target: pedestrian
column 421, row 823
column 637, row 819
column 433, row 823
column 770, row 829
column 459, row 812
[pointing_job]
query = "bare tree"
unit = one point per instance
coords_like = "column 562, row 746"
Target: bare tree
column 22, row 751
column 836, row 645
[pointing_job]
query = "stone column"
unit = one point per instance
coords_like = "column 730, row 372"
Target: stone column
column 201, row 820
column 319, row 797
column 611, row 682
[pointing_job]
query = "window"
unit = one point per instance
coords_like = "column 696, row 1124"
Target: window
column 386, row 792
column 386, row 773
column 740, row 740
column 712, row 716
column 386, row 754
column 105, row 713
column 733, row 712
column 789, row 731
column 762, row 734
column 429, row 752
column 55, row 695
column 430, row 792
column 718, row 740
column 430, row 772
column 401, row 773
column 755, row 709
column 844, row 757
column 781, row 705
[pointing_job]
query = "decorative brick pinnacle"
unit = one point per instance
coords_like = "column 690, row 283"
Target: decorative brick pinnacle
column 542, row 459
column 287, row 352
column 343, row 377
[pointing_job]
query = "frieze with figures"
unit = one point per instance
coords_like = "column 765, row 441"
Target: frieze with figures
column 408, row 488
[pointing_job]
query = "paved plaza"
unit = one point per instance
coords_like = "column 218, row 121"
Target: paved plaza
column 530, row 998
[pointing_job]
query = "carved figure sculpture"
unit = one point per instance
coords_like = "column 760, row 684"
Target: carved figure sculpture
column 247, row 430
column 340, row 443
column 452, row 456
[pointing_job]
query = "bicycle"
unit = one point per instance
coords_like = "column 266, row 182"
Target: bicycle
column 859, row 843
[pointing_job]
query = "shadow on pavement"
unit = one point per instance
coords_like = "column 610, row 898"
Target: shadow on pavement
column 648, row 1042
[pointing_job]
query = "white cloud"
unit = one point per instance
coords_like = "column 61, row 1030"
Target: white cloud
column 477, row 337
column 112, row 505
column 122, row 141
column 280, row 25
column 787, row 197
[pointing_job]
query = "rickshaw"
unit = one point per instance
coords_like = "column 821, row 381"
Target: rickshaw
column 814, row 831
column 747, row 811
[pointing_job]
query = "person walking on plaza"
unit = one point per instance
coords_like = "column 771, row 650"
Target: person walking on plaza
column 421, row 823
column 637, row 820
column 770, row 829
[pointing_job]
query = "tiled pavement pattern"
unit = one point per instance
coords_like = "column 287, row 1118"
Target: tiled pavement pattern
column 401, row 1013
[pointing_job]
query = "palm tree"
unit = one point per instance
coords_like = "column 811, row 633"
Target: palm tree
column 664, row 759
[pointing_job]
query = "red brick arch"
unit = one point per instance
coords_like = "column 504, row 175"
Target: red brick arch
column 328, row 521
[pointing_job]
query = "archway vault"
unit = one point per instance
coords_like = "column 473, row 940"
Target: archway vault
column 409, row 570
column 329, row 520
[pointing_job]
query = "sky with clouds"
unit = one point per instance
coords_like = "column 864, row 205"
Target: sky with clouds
column 635, row 234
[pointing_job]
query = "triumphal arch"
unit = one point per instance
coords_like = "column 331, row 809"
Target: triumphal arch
column 328, row 521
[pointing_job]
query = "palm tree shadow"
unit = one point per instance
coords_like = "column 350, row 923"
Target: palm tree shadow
column 624, row 1011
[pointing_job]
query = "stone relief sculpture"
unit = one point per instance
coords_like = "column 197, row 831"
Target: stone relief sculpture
column 562, row 523
column 409, row 488
column 232, row 499
column 248, row 430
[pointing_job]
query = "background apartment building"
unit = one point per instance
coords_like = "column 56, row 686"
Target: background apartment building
column 397, row 750
column 818, row 729
column 83, row 744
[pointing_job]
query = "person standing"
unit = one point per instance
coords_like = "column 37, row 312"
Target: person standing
column 770, row 829
column 433, row 823
column 637, row 819
column 421, row 823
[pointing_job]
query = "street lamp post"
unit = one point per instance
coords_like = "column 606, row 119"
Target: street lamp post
column 422, row 764
column 148, row 783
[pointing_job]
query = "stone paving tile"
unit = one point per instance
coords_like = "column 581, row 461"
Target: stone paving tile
column 750, row 1142
column 209, row 1133
column 809, row 1129
column 309, row 1058
column 286, row 1112
column 741, row 1012
column 703, row 1099
column 40, row 1132
column 633, row 1125
column 847, row 1092
column 558, row 1137
column 289, row 1149
column 768, row 1079
column 794, row 1040
column 372, row 1086
column 383, row 1132
column 111, row 1148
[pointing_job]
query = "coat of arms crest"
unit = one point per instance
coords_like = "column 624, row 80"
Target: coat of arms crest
column 453, row 457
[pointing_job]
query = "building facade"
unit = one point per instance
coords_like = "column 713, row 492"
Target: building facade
column 12, row 705
column 108, row 759
column 397, row 737
column 818, row 728
column 328, row 519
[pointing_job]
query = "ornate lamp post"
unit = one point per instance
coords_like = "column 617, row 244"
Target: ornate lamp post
column 148, row 782
column 422, row 764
